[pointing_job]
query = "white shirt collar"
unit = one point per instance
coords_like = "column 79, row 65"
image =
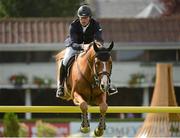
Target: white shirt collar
column 85, row 27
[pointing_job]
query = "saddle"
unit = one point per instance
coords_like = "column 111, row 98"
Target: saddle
column 67, row 90
column 69, row 65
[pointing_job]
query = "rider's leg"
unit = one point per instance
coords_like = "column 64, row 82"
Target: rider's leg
column 60, row 86
column 112, row 89
column 68, row 54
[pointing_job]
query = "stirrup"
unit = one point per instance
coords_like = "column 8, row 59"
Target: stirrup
column 112, row 90
column 60, row 92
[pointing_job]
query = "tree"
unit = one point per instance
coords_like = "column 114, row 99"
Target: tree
column 38, row 8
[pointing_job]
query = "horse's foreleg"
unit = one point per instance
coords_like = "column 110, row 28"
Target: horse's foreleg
column 101, row 101
column 102, row 104
column 78, row 100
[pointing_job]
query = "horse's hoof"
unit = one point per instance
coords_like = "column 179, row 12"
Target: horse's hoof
column 98, row 132
column 84, row 129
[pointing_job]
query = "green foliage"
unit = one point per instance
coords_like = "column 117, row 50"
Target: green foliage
column 136, row 79
column 11, row 125
column 44, row 82
column 23, row 130
column 18, row 79
column 45, row 129
column 38, row 8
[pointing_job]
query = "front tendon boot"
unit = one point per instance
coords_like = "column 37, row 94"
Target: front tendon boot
column 60, row 87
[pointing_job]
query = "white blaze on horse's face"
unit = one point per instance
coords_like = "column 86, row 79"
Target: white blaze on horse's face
column 104, row 84
column 103, row 65
column 103, row 70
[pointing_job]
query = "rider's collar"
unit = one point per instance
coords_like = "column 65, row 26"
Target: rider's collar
column 85, row 27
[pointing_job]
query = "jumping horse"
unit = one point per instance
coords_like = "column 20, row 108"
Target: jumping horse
column 88, row 82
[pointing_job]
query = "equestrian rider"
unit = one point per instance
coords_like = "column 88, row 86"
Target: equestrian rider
column 83, row 30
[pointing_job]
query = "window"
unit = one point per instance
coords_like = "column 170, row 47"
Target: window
column 130, row 55
column 162, row 55
column 27, row 57
column 146, row 55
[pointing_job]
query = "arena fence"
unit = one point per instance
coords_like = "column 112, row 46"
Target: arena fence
column 91, row 109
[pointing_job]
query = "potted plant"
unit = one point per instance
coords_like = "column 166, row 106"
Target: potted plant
column 18, row 79
column 136, row 79
column 44, row 82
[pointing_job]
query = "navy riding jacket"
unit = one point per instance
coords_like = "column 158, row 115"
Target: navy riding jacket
column 77, row 36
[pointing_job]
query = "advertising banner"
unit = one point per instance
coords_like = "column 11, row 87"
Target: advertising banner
column 62, row 129
column 113, row 129
column 72, row 129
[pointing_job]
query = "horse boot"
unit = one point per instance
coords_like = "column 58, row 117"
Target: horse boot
column 60, row 89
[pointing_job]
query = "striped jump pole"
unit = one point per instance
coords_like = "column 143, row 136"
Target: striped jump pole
column 91, row 109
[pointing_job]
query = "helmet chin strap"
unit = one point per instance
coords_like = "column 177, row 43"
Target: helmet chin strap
column 86, row 25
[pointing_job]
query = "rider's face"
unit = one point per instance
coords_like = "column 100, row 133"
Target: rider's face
column 84, row 20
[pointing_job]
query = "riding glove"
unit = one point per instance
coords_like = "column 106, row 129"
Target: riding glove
column 76, row 46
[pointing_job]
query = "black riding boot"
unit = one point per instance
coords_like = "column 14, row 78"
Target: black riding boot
column 60, row 88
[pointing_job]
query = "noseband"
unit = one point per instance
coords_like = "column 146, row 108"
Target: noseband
column 97, row 74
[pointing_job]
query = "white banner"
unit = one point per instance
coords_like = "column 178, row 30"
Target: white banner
column 113, row 129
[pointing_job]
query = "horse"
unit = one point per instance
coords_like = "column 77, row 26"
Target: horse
column 88, row 81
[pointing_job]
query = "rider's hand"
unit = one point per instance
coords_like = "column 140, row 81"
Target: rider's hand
column 76, row 46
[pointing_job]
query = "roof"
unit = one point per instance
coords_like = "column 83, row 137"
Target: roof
column 152, row 10
column 33, row 30
column 55, row 30
column 132, row 8
column 119, row 8
column 165, row 29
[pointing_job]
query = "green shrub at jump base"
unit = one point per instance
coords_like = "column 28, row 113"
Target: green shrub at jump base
column 11, row 125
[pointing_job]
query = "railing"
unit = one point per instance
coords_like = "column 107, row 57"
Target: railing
column 91, row 109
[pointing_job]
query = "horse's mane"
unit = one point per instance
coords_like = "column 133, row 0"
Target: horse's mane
column 90, row 45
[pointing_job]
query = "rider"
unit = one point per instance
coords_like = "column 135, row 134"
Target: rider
column 83, row 30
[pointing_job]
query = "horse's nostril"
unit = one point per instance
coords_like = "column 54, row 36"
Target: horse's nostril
column 104, row 88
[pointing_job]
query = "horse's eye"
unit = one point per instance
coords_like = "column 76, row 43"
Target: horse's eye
column 109, row 62
column 97, row 64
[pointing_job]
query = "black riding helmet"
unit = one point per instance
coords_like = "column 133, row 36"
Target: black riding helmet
column 84, row 11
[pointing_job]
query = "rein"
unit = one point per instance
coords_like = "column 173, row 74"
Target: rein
column 95, row 76
column 96, row 80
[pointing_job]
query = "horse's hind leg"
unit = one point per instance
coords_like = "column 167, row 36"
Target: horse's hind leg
column 78, row 100
column 101, row 101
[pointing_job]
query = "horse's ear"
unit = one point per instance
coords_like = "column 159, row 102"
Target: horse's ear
column 96, row 49
column 111, row 46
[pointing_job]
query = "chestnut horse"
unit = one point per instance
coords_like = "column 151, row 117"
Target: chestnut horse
column 88, row 81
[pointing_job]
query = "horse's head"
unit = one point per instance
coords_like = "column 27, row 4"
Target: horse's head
column 102, row 65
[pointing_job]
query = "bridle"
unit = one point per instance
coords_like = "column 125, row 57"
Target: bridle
column 96, row 82
column 96, row 74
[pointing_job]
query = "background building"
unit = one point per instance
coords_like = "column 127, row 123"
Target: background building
column 28, row 47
